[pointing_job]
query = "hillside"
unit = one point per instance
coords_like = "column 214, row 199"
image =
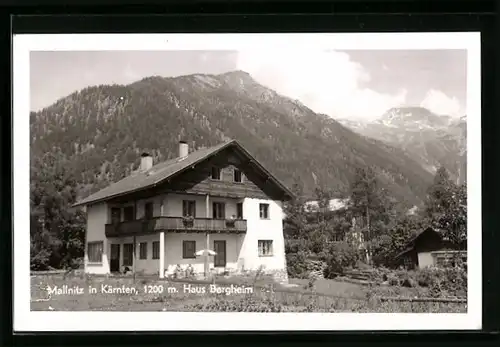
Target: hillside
column 99, row 132
column 432, row 140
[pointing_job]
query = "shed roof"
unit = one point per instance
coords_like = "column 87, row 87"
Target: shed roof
column 411, row 243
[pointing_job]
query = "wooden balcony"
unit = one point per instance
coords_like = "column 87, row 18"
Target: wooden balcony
column 175, row 224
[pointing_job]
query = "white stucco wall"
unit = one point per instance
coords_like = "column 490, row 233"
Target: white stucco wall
column 425, row 259
column 173, row 249
column 262, row 229
column 241, row 249
column 148, row 265
column 97, row 217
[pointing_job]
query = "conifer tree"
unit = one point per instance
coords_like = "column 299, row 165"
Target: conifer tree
column 446, row 208
column 370, row 206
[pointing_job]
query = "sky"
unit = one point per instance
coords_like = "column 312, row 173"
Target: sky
column 356, row 84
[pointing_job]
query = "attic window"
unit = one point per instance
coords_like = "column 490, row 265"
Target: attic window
column 237, row 176
column 216, row 173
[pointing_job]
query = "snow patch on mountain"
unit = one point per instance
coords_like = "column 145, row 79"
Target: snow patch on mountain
column 433, row 140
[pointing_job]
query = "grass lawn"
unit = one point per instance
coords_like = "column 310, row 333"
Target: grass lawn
column 145, row 294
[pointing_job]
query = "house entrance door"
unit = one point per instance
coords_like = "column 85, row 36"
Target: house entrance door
column 220, row 257
column 128, row 255
column 114, row 262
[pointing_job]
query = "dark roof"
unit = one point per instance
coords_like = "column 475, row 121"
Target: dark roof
column 400, row 254
column 158, row 173
column 411, row 243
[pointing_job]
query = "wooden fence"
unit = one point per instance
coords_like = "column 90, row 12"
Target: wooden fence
column 48, row 273
column 332, row 303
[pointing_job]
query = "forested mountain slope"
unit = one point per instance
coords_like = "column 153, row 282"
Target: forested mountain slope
column 99, row 132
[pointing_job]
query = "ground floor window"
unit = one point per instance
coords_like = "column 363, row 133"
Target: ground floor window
column 156, row 250
column 94, row 251
column 143, row 250
column 188, row 249
column 265, row 248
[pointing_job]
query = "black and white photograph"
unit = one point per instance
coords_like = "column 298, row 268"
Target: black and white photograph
column 304, row 181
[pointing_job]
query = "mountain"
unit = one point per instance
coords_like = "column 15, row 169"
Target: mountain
column 99, row 132
column 432, row 140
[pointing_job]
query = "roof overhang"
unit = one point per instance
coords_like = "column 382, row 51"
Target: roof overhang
column 287, row 192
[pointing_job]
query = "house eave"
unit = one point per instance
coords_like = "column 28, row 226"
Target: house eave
column 287, row 194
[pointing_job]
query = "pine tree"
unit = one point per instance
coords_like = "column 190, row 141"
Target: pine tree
column 446, row 208
column 370, row 206
column 440, row 194
column 295, row 214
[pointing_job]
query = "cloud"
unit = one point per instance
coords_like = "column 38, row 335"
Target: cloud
column 325, row 81
column 438, row 102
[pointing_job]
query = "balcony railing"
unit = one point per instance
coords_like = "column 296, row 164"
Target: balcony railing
column 176, row 224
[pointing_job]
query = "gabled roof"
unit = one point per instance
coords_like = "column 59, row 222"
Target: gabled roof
column 411, row 243
column 159, row 173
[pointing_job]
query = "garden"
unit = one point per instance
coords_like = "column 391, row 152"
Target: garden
column 433, row 290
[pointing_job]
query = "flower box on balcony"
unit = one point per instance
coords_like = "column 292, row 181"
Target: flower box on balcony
column 230, row 223
column 188, row 221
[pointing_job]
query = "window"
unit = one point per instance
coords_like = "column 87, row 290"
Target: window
column 156, row 249
column 339, row 236
column 265, row 248
column 128, row 254
column 407, row 263
column 148, row 210
column 216, row 173
column 128, row 213
column 239, row 210
column 264, row 211
column 143, row 250
column 188, row 208
column 94, row 251
column 237, row 176
column 116, row 215
column 219, row 210
column 188, row 249
column 441, row 261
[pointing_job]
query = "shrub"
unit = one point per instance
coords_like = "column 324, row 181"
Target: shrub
column 393, row 280
column 455, row 280
column 425, row 277
column 449, row 281
column 342, row 256
column 408, row 282
column 296, row 265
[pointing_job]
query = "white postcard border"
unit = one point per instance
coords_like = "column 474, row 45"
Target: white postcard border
column 26, row 320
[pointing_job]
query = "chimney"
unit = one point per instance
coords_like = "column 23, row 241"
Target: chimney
column 146, row 161
column 183, row 149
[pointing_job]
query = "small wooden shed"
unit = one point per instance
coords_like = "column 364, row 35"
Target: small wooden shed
column 427, row 248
